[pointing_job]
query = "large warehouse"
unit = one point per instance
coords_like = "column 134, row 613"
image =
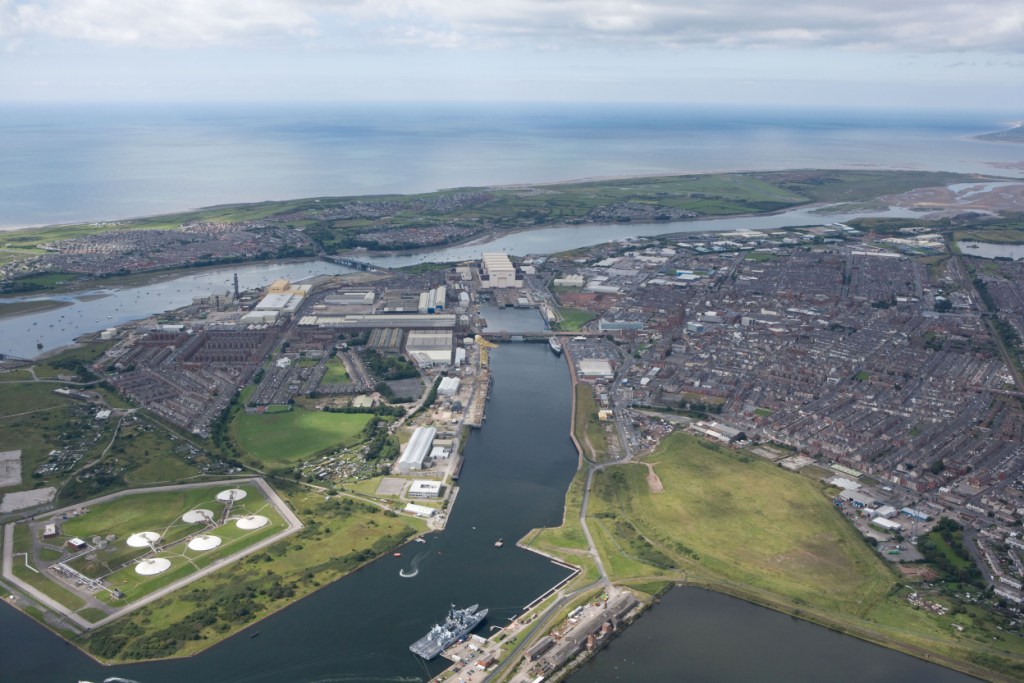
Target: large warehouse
column 416, row 450
column 430, row 347
column 497, row 272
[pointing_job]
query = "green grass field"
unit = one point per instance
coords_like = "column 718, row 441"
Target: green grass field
column 336, row 373
column 995, row 236
column 743, row 522
column 589, row 430
column 573, row 319
column 295, row 435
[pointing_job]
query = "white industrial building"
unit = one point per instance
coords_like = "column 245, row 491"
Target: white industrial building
column 286, row 302
column 419, row 510
column 432, row 301
column 416, row 450
column 497, row 272
column 430, row 347
column 596, row 368
column 421, row 488
column 886, row 525
column 449, row 386
column 574, row 280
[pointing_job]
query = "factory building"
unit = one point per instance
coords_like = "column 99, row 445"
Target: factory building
column 358, row 321
column 497, row 272
column 430, row 347
column 886, row 525
column 416, row 450
column 286, row 303
column 362, row 298
column 420, row 510
column 432, row 301
column 596, row 368
column 421, row 488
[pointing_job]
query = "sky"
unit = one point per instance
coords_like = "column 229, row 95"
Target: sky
column 948, row 54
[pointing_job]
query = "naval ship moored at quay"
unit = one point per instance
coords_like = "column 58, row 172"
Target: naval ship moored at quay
column 458, row 623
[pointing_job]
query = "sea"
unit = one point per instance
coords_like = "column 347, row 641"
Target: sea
column 83, row 163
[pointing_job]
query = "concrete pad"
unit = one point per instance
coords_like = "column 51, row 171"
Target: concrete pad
column 391, row 486
column 10, row 468
column 21, row 500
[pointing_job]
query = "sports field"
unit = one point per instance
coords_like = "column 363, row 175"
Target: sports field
column 292, row 436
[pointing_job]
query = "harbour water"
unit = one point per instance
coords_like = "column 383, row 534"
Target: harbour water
column 697, row 636
column 989, row 250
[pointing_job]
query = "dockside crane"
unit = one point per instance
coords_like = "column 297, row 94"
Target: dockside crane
column 484, row 346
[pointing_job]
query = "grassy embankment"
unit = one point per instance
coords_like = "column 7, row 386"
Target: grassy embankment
column 736, row 524
column 591, row 433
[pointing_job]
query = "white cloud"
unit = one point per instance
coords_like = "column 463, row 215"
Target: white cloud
column 907, row 25
column 875, row 25
column 158, row 23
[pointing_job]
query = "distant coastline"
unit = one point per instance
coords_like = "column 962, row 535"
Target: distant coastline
column 1015, row 134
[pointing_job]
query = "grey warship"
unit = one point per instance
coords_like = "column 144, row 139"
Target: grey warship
column 458, row 623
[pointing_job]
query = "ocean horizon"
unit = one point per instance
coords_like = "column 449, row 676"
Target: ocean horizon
column 88, row 163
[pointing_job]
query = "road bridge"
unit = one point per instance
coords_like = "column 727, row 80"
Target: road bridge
column 351, row 263
column 540, row 336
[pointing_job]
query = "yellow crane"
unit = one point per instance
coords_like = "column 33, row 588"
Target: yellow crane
column 484, row 345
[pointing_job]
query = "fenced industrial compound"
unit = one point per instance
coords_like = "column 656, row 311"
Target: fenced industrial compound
column 98, row 560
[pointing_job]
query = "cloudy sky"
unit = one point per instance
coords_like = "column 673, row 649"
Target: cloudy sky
column 906, row 53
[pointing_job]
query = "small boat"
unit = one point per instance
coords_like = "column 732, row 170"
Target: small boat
column 398, row 554
column 500, row 542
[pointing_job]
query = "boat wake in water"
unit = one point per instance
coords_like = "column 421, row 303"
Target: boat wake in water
column 414, row 568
